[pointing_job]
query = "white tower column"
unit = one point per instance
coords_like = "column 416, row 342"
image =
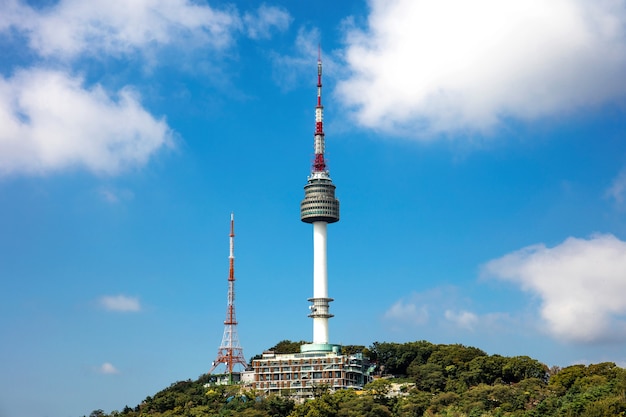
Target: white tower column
column 320, row 280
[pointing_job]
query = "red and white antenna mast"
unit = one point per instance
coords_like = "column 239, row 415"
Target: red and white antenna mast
column 230, row 352
column 319, row 165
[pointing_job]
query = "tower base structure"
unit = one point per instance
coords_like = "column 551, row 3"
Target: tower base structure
column 320, row 347
column 301, row 375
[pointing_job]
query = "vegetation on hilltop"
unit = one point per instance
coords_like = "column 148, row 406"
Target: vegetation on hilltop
column 284, row 346
column 417, row 379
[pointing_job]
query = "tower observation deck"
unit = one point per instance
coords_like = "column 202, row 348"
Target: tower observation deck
column 319, row 204
column 319, row 207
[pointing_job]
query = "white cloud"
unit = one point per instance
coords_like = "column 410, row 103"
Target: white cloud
column 259, row 25
column 73, row 27
column 120, row 303
column 581, row 284
column 11, row 12
column 617, row 190
column 419, row 308
column 422, row 67
column 408, row 312
column 49, row 122
column 463, row 319
column 289, row 70
column 293, row 69
column 107, row 369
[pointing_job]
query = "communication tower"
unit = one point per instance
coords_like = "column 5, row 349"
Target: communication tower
column 292, row 373
column 230, row 352
column 319, row 207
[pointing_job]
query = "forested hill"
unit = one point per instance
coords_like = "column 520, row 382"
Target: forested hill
column 416, row 379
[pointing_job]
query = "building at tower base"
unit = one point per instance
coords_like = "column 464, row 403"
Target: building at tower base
column 225, row 379
column 299, row 375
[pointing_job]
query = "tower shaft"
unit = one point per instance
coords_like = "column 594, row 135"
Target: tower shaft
column 319, row 207
column 320, row 311
column 230, row 352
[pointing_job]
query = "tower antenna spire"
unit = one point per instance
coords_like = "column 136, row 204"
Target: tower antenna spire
column 230, row 352
column 319, row 164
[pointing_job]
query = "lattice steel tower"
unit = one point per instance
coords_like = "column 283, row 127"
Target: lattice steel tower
column 319, row 207
column 230, row 352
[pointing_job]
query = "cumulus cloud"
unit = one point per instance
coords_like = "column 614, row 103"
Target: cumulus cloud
column 72, row 27
column 580, row 283
column 259, row 24
column 49, row 121
column 107, row 369
column 423, row 67
column 120, row 303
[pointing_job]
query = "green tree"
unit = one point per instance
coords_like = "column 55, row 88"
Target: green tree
column 483, row 369
column 252, row 412
column 278, row 406
column 362, row 406
column 608, row 406
column 442, row 401
column 395, row 358
column 566, row 377
column 429, row 377
column 521, row 367
column 607, row 369
column 454, row 355
column 415, row 404
column 287, row 346
column 379, row 389
column 352, row 349
column 324, row 406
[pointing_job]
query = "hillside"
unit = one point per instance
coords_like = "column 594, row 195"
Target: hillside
column 417, row 379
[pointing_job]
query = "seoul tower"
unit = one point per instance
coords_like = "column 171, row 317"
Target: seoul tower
column 319, row 207
column 230, row 352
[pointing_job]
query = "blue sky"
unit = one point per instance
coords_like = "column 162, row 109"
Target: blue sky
column 477, row 147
